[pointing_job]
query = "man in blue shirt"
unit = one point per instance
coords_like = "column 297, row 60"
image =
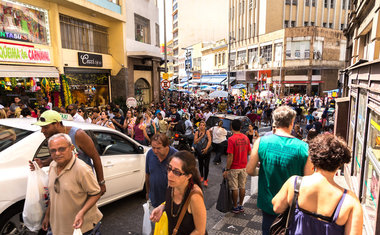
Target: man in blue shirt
column 156, row 179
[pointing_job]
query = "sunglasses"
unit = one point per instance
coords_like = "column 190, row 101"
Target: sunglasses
column 70, row 109
column 175, row 172
column 60, row 149
column 79, row 111
column 42, row 119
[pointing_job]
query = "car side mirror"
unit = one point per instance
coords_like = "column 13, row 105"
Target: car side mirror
column 140, row 149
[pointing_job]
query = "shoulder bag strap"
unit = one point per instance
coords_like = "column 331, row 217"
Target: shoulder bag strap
column 297, row 184
column 183, row 211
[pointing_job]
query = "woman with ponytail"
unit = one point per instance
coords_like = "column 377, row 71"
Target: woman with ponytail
column 184, row 185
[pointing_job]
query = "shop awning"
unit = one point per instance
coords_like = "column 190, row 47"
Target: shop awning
column 213, row 79
column 28, row 71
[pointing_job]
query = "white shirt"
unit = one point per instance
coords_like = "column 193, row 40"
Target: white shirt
column 163, row 114
column 207, row 115
column 218, row 134
column 78, row 118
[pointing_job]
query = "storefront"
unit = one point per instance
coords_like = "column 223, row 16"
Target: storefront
column 26, row 63
column 363, row 173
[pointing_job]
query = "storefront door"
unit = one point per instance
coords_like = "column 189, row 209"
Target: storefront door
column 142, row 91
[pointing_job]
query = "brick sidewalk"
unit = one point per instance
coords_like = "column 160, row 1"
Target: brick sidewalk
column 248, row 223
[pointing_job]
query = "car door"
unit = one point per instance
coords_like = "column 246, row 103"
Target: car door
column 123, row 164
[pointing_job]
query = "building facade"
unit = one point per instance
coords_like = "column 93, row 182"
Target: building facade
column 361, row 125
column 91, row 48
column 299, row 51
column 196, row 21
column 42, row 41
column 143, row 51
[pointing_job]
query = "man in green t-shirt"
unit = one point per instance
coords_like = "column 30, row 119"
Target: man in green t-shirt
column 281, row 155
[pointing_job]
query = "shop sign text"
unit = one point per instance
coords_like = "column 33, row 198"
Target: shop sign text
column 24, row 54
column 92, row 60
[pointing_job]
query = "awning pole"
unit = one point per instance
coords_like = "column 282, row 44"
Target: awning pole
column 109, row 87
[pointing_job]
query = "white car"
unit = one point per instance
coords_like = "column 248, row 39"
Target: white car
column 123, row 162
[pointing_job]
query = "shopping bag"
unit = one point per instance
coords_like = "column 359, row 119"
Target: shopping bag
column 147, row 226
column 224, row 202
column 161, row 227
column 36, row 198
column 77, row 231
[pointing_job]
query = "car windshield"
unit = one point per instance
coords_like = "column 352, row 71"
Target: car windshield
column 11, row 135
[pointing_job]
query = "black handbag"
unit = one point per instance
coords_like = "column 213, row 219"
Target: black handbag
column 282, row 222
column 224, row 203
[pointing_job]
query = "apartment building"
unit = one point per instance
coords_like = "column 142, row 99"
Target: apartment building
column 143, row 51
column 196, row 21
column 359, row 112
column 297, row 44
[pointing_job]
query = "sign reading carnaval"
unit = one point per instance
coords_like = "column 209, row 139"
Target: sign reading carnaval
column 23, row 53
column 23, row 22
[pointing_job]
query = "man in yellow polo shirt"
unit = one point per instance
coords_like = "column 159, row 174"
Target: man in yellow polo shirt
column 73, row 191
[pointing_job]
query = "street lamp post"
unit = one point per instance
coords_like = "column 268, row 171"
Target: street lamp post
column 166, row 54
column 230, row 39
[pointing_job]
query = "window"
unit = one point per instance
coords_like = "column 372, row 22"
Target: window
column 332, row 2
column 307, row 3
column 175, row 6
column 330, row 25
column 242, row 7
column 250, row 4
column 252, row 55
column 266, row 52
column 175, row 52
column 11, row 135
column 175, row 17
column 287, row 2
column 286, row 24
column 84, row 36
column 293, row 24
column 298, row 50
column 242, row 34
column 175, row 34
column 325, row 3
column 324, row 25
column 232, row 57
column 343, row 4
column 306, row 23
column 175, row 25
column 112, row 144
column 312, row 23
column 295, row 2
column 216, row 60
column 250, row 31
column 219, row 58
column 242, row 56
column 239, row 35
column 157, row 35
column 313, row 3
column 341, row 26
column 142, row 29
column 224, row 58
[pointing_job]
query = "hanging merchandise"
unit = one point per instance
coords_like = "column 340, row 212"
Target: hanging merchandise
column 46, row 88
column 65, row 91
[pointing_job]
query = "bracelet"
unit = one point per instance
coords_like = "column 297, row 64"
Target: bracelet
column 103, row 182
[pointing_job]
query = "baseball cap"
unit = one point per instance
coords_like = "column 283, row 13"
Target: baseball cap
column 48, row 117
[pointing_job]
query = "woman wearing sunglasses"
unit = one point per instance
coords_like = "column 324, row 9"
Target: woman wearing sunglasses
column 104, row 121
column 83, row 112
column 183, row 184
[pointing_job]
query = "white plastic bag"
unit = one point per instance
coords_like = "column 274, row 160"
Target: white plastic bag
column 147, row 226
column 36, row 198
column 77, row 231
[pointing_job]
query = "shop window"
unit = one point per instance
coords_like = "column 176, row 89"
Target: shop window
column 84, row 36
column 142, row 29
column 361, row 113
column 24, row 23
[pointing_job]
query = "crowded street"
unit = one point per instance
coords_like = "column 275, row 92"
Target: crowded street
column 179, row 117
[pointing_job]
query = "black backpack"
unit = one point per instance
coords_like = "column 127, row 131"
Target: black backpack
column 181, row 126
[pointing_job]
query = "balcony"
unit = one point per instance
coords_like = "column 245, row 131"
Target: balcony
column 112, row 5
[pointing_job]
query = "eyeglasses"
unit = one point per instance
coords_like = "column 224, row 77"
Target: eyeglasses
column 60, row 149
column 175, row 172
column 56, row 185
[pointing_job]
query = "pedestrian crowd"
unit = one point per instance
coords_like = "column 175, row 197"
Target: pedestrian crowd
column 299, row 148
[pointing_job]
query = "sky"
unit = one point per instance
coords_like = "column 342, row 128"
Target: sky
column 169, row 24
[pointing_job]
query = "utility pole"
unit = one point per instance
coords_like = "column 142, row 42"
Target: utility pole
column 230, row 39
column 188, row 68
column 166, row 55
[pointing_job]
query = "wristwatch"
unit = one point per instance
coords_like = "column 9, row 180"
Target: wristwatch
column 103, row 182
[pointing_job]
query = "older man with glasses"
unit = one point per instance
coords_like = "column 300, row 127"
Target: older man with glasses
column 73, row 191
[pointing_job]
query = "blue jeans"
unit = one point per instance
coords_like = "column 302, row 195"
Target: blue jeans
column 267, row 222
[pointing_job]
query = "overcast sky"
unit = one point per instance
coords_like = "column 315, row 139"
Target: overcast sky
column 169, row 25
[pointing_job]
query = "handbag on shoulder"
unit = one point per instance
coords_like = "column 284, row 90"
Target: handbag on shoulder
column 280, row 225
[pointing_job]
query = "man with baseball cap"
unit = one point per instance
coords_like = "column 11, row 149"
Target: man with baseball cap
column 50, row 122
